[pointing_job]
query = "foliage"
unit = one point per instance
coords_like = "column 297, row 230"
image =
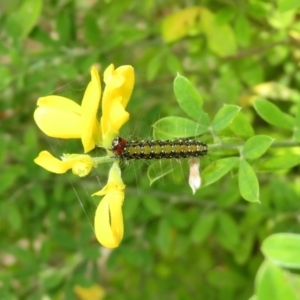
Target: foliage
column 243, row 60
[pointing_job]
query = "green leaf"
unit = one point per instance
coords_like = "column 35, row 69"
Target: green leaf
column 228, row 86
column 22, row 21
column 153, row 205
column 224, row 117
column 256, row 146
column 243, row 252
column 241, row 126
column 248, row 183
column 285, row 5
column 203, row 227
column 195, row 20
column 243, row 30
column 282, row 21
column 223, row 279
column 6, row 76
column 227, row 231
column 131, row 207
column 159, row 135
column 38, row 194
column 225, row 15
column 14, row 216
column 91, row 30
column 251, row 73
column 181, row 23
column 215, row 34
column 189, row 99
column 177, row 218
column 64, row 239
column 164, row 236
column 24, row 256
column 65, row 25
column 4, row 148
column 296, row 135
column 160, row 169
column 218, row 169
column 283, row 249
column 51, row 278
column 273, row 115
column 90, row 252
column 272, row 283
column 281, row 162
column 174, row 62
column 177, row 127
column 10, row 176
column 155, row 64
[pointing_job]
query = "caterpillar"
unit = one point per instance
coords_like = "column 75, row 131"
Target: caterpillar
column 157, row 149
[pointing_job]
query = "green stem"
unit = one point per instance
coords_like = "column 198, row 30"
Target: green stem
column 236, row 146
column 103, row 159
column 215, row 147
column 285, row 144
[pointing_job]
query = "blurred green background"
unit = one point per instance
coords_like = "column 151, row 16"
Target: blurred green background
column 176, row 245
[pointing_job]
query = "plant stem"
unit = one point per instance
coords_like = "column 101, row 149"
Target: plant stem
column 236, row 146
column 103, row 159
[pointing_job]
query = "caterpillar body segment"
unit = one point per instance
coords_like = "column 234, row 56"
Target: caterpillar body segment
column 157, row 149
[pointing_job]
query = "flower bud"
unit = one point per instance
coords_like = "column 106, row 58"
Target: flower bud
column 194, row 179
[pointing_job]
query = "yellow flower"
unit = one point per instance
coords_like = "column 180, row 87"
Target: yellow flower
column 81, row 165
column 119, row 85
column 61, row 117
column 93, row 292
column 108, row 221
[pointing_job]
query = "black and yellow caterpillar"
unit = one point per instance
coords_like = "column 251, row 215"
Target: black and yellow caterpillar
column 157, row 149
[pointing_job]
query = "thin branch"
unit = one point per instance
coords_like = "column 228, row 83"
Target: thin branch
column 236, row 146
column 253, row 51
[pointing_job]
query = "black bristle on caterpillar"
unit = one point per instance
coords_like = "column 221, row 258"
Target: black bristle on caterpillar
column 157, row 149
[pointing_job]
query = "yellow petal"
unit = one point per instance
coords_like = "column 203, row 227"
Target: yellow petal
column 109, row 220
column 112, row 120
column 87, row 293
column 118, row 89
column 118, row 116
column 90, row 104
column 83, row 165
column 97, row 133
column 108, row 72
column 112, row 88
column 58, row 123
column 112, row 78
column 118, row 82
column 109, row 187
column 115, row 182
column 126, row 72
column 60, row 103
column 47, row 161
column 111, row 123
